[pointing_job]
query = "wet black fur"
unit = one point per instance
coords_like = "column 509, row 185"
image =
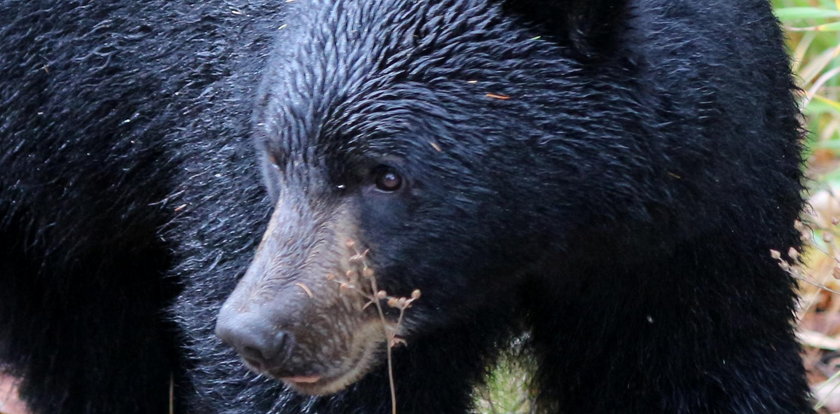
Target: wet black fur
column 621, row 204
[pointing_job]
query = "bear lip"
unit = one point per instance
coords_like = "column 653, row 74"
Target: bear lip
column 303, row 379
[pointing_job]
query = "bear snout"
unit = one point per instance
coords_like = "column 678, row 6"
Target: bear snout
column 253, row 337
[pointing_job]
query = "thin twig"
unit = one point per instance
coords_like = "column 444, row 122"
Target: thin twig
column 389, row 357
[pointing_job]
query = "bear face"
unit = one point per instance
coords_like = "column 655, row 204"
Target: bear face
column 379, row 142
column 449, row 101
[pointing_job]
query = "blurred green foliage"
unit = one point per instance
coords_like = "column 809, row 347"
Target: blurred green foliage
column 813, row 31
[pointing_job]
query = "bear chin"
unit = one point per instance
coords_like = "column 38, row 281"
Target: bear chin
column 366, row 354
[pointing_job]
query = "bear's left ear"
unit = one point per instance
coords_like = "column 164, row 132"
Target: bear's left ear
column 590, row 27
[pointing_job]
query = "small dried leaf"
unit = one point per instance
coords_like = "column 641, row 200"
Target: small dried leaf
column 305, row 289
column 498, row 96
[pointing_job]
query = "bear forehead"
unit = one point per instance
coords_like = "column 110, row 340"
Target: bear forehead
column 359, row 40
column 354, row 70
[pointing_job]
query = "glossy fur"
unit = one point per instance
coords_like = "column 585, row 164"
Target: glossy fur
column 607, row 176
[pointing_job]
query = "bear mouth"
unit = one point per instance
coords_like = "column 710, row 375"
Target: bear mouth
column 360, row 362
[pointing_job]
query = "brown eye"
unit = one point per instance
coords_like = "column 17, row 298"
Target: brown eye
column 387, row 179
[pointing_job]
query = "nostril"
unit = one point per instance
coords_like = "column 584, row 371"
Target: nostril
column 262, row 348
column 270, row 346
column 264, row 352
column 256, row 363
column 251, row 353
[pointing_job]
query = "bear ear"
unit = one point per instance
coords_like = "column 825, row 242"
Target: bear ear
column 590, row 27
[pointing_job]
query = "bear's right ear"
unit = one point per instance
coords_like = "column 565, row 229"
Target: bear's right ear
column 590, row 27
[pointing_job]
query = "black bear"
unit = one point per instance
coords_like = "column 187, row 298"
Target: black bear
column 603, row 179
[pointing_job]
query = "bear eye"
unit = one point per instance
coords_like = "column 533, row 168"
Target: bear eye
column 387, row 179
